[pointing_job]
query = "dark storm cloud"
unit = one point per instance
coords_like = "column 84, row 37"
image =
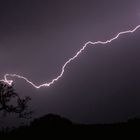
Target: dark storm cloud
column 37, row 37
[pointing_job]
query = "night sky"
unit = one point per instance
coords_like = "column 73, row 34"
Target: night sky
column 102, row 85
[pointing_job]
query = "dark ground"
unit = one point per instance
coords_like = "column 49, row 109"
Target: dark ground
column 55, row 126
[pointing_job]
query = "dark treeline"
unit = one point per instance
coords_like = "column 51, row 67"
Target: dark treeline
column 49, row 124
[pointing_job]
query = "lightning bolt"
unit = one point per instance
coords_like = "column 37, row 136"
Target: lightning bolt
column 9, row 82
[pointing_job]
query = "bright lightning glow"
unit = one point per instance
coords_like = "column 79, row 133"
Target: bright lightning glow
column 9, row 82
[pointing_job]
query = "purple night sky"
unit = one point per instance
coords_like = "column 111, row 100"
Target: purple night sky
column 102, row 85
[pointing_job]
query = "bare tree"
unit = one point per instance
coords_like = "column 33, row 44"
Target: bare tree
column 10, row 102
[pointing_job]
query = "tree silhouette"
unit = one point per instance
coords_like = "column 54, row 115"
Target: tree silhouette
column 10, row 102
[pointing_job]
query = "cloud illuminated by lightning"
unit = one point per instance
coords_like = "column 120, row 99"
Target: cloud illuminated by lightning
column 9, row 82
